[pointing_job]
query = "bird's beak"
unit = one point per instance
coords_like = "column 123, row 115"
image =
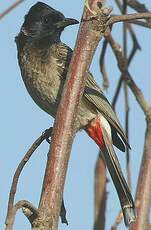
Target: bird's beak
column 66, row 22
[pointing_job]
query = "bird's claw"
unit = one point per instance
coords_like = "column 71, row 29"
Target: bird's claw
column 47, row 134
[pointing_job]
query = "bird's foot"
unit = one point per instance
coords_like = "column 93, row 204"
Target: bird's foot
column 47, row 134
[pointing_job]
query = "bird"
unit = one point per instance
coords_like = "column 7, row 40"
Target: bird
column 44, row 61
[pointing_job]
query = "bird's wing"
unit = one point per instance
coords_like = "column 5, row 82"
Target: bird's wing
column 94, row 95
column 63, row 55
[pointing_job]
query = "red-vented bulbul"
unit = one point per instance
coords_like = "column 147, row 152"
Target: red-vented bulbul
column 44, row 62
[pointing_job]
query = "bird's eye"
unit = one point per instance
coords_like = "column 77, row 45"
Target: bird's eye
column 46, row 20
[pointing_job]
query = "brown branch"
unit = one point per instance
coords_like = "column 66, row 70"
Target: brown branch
column 141, row 23
column 118, row 88
column 139, row 7
column 130, row 29
column 28, row 209
column 21, row 204
column 136, row 47
column 100, row 193
column 12, row 7
column 143, row 195
column 118, row 220
column 10, row 211
column 118, row 3
column 127, row 110
column 64, row 129
column 102, row 66
column 123, row 9
column 128, row 169
column 117, row 92
column 136, row 5
column 128, row 17
column 122, row 64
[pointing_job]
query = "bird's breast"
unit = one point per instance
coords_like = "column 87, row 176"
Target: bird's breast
column 42, row 79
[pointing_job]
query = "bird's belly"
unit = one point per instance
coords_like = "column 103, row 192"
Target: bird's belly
column 85, row 114
column 44, row 91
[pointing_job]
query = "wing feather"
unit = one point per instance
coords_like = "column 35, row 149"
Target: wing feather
column 94, row 95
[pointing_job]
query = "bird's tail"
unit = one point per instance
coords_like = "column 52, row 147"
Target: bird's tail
column 98, row 130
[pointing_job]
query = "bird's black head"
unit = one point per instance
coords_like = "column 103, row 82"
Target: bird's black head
column 43, row 21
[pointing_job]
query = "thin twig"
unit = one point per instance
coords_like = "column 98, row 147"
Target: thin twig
column 136, row 5
column 128, row 168
column 100, row 193
column 127, row 110
column 118, row 220
column 24, row 204
column 143, row 196
column 28, row 209
column 123, row 9
column 139, row 7
column 122, row 63
column 117, row 91
column 102, row 65
column 118, row 3
column 17, row 174
column 130, row 29
column 141, row 23
column 132, row 53
column 128, row 17
column 136, row 46
column 12, row 7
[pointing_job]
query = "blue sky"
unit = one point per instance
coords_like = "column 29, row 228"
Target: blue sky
column 22, row 122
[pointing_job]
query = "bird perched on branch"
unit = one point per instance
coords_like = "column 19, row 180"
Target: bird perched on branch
column 44, row 62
